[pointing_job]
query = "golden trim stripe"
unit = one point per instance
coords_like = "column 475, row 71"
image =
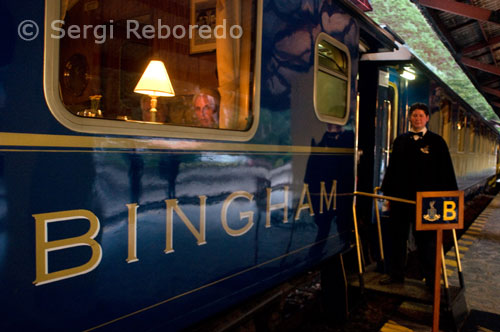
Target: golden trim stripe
column 92, row 142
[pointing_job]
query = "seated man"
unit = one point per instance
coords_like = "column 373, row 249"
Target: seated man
column 206, row 108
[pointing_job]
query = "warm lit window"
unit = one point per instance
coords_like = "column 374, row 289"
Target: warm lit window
column 332, row 82
column 206, row 48
column 461, row 126
column 472, row 134
column 445, row 111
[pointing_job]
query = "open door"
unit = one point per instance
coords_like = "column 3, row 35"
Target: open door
column 387, row 120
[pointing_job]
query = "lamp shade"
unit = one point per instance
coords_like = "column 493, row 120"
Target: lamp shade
column 155, row 81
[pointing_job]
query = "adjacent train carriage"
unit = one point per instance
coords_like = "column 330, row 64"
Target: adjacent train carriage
column 163, row 160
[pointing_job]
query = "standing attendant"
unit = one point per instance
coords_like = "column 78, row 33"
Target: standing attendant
column 420, row 161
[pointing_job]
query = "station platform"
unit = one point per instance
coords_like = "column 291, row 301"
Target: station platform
column 479, row 249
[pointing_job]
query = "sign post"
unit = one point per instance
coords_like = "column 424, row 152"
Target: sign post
column 439, row 210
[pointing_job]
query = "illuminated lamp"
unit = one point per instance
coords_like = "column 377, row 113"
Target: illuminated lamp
column 408, row 73
column 155, row 83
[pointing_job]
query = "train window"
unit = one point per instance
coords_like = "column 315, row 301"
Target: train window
column 332, row 80
column 99, row 56
column 445, row 111
column 461, row 126
column 472, row 130
column 435, row 122
column 482, row 138
column 477, row 134
column 492, row 144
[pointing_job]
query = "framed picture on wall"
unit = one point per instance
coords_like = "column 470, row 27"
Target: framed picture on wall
column 203, row 21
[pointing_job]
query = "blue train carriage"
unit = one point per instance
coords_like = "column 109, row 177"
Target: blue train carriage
column 403, row 80
column 163, row 160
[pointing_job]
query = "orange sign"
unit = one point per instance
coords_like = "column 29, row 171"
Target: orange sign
column 440, row 210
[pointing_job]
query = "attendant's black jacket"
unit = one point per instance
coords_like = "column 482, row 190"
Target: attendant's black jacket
column 418, row 165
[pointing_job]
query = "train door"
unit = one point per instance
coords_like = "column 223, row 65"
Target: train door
column 378, row 123
column 378, row 126
column 386, row 124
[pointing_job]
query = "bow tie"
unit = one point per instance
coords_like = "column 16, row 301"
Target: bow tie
column 417, row 136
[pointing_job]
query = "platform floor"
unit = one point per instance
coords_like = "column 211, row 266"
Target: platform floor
column 480, row 251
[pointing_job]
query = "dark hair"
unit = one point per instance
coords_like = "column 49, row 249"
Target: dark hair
column 419, row 106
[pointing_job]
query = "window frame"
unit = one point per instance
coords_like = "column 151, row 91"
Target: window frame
column 125, row 128
column 342, row 47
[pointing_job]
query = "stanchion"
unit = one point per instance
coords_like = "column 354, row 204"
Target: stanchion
column 356, row 231
column 379, row 230
column 437, row 281
column 358, row 247
column 457, row 255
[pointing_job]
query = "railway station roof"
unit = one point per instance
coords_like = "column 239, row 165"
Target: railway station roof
column 470, row 29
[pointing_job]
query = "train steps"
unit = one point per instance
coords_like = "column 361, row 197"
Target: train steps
column 415, row 312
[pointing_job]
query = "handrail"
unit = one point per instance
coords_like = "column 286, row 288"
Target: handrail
column 390, row 198
column 379, row 230
column 381, row 246
column 356, row 231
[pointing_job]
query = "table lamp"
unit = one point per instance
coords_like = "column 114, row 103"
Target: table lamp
column 155, row 83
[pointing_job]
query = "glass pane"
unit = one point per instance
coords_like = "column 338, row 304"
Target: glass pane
column 445, row 110
column 107, row 45
column 332, row 58
column 461, row 126
column 331, row 95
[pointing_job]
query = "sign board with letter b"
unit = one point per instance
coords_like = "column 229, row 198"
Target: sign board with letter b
column 440, row 210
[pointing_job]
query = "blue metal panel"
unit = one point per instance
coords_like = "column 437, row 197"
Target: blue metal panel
column 195, row 280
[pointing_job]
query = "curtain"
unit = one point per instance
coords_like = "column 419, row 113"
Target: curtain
column 65, row 6
column 233, row 63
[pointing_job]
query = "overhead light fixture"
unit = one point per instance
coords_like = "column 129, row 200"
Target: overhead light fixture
column 408, row 73
column 155, row 83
